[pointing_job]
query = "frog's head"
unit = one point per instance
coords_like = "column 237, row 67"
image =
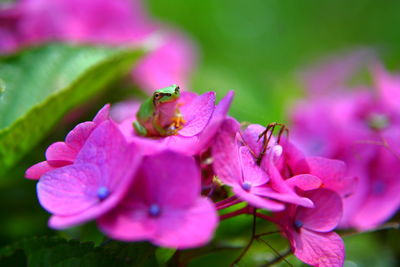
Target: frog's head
column 167, row 94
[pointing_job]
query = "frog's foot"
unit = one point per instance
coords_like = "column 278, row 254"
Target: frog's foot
column 176, row 125
column 140, row 130
column 178, row 121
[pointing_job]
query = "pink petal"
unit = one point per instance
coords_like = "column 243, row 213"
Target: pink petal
column 107, row 149
column 283, row 197
column 276, row 180
column 252, row 173
column 102, row 115
column 382, row 186
column 78, row 136
column 69, row 190
column 175, row 228
column 187, row 97
column 333, row 73
column 250, row 138
column 388, row 86
column 304, row 182
column 219, row 115
column 179, row 172
column 326, row 214
column 257, row 201
column 225, row 153
column 188, row 228
column 197, row 114
column 116, row 163
column 331, row 172
column 319, row 249
column 293, row 155
column 171, row 63
column 60, row 151
column 125, row 110
column 37, row 170
column 129, row 224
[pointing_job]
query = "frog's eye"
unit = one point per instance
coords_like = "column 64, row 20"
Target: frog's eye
column 168, row 94
column 157, row 96
column 177, row 89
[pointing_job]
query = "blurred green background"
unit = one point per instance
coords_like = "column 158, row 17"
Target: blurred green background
column 257, row 49
column 255, row 46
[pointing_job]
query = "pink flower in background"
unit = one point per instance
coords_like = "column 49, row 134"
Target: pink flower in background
column 164, row 205
column 202, row 121
column 61, row 154
column 234, row 162
column 362, row 128
column 310, row 230
column 116, row 22
column 96, row 181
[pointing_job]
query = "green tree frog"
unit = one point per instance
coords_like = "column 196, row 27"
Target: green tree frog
column 159, row 115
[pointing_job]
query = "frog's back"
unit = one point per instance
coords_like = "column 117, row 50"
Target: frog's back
column 146, row 111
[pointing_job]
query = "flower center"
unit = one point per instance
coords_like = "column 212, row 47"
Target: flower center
column 103, row 192
column 154, row 210
column 298, row 224
column 377, row 121
column 246, row 186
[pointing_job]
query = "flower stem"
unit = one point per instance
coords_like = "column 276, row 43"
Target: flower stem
column 279, row 258
column 228, row 204
column 226, row 200
column 233, row 214
column 266, row 217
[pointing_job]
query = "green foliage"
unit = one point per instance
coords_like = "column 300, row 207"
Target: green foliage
column 256, row 47
column 54, row 251
column 41, row 84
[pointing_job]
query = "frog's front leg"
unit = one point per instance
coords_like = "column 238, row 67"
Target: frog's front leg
column 139, row 128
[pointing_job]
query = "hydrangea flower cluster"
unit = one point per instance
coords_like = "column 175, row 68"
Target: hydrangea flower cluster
column 116, row 22
column 359, row 126
column 162, row 189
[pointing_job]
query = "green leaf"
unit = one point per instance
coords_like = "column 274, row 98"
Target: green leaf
column 41, row 84
column 140, row 253
column 54, row 251
column 163, row 255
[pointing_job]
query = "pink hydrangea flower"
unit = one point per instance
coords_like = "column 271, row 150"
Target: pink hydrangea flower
column 62, row 154
column 235, row 155
column 164, row 205
column 96, row 181
column 202, row 121
column 310, row 230
column 114, row 22
column 362, row 128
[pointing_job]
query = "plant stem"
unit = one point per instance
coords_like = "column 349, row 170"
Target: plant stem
column 233, row 213
column 253, row 233
column 227, row 205
column 226, row 200
column 279, row 259
column 266, row 217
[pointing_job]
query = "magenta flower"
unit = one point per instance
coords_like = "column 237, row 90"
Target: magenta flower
column 234, row 160
column 361, row 128
column 164, row 205
column 310, row 230
column 62, row 154
column 114, row 22
column 95, row 183
column 202, row 121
